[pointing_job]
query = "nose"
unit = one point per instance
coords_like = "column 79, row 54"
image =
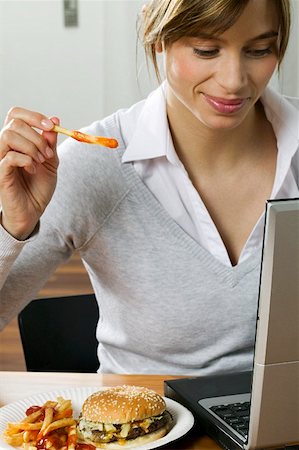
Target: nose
column 232, row 74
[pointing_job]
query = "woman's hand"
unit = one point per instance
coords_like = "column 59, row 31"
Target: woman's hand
column 28, row 169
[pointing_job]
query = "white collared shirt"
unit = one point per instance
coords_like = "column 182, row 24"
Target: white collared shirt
column 150, row 148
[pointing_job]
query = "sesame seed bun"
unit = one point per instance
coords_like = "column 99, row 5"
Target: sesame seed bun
column 123, row 416
column 122, row 404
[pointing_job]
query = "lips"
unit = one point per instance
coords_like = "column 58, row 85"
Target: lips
column 225, row 106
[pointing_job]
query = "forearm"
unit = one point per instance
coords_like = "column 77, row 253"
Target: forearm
column 10, row 249
column 21, row 232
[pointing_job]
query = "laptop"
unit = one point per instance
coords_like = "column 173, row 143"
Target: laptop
column 259, row 409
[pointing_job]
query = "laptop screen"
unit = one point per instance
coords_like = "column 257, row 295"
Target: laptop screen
column 274, row 414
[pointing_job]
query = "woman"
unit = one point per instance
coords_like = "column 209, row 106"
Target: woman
column 169, row 226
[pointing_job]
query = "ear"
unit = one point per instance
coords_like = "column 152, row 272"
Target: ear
column 159, row 47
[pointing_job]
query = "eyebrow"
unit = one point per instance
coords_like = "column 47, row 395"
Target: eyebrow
column 266, row 35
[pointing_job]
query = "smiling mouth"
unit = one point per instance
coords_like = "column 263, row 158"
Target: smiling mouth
column 225, row 106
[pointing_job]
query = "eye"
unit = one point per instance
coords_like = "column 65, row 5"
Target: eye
column 259, row 53
column 206, row 53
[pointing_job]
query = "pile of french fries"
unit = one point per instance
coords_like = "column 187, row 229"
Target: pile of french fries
column 47, row 427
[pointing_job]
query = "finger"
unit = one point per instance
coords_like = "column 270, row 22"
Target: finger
column 51, row 136
column 12, row 140
column 13, row 160
column 34, row 119
column 22, row 128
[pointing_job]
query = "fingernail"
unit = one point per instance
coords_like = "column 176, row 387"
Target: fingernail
column 47, row 123
column 49, row 152
column 41, row 157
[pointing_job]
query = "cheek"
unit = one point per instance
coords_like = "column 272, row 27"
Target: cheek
column 265, row 72
column 180, row 69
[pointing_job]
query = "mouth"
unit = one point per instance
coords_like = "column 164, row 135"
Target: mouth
column 224, row 105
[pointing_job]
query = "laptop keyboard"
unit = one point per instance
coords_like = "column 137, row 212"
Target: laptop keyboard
column 236, row 415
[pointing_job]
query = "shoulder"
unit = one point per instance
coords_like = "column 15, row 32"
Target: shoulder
column 90, row 183
column 93, row 167
column 294, row 101
column 283, row 112
column 88, row 162
column 278, row 102
column 87, row 165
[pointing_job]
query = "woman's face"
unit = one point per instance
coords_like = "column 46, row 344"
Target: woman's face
column 219, row 79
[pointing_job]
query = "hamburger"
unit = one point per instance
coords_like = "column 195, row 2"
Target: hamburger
column 123, row 417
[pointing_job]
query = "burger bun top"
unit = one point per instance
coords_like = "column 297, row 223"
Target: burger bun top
column 122, row 404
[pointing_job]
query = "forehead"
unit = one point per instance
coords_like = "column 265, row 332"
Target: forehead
column 257, row 18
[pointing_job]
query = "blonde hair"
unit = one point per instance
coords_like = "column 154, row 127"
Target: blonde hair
column 169, row 20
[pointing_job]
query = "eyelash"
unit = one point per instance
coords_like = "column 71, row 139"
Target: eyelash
column 205, row 53
column 252, row 53
column 260, row 53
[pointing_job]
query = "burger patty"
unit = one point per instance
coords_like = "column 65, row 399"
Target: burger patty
column 134, row 432
column 154, row 426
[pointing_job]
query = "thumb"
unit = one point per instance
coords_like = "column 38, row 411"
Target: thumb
column 51, row 136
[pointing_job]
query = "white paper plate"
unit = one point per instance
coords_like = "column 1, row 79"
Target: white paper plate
column 183, row 419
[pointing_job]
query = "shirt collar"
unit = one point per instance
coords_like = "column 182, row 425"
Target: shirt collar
column 151, row 137
column 284, row 117
column 282, row 114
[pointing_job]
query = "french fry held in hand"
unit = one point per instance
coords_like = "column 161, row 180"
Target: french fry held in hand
column 47, row 427
column 82, row 137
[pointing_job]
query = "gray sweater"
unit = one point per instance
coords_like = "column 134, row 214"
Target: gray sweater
column 166, row 305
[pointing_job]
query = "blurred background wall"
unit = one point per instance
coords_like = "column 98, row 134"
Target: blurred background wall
column 79, row 73
column 85, row 72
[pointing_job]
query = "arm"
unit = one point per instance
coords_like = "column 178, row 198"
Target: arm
column 9, row 251
column 28, row 174
column 85, row 195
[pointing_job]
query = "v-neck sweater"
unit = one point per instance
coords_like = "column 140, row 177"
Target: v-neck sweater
column 166, row 305
column 150, row 147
